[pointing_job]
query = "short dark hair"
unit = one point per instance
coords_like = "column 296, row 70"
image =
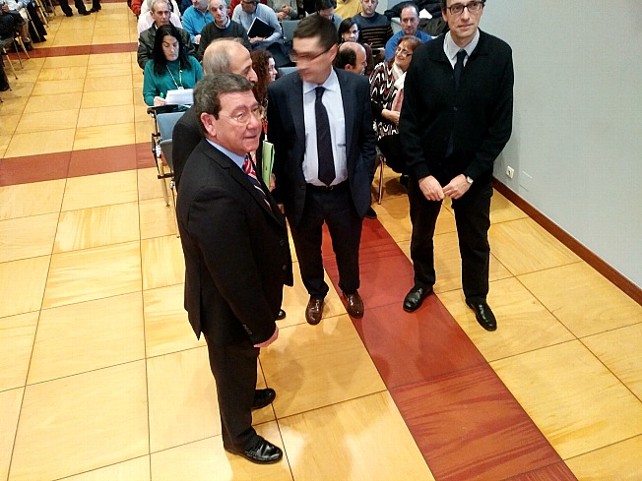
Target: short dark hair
column 209, row 89
column 344, row 57
column 317, row 26
column 158, row 56
column 345, row 25
column 410, row 5
column 324, row 4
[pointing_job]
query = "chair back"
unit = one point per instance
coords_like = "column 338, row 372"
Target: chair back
column 166, row 122
column 288, row 27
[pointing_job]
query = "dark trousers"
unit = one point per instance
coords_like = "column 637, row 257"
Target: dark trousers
column 390, row 147
column 234, row 370
column 472, row 217
column 336, row 209
column 80, row 6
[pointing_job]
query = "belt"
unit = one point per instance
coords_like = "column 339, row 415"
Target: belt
column 327, row 188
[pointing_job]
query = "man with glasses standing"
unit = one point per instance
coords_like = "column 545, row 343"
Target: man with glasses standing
column 321, row 125
column 456, row 119
column 227, row 219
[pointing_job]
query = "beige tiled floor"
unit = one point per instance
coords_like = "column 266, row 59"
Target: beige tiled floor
column 102, row 378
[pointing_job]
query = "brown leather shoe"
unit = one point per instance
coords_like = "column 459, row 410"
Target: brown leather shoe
column 314, row 310
column 354, row 305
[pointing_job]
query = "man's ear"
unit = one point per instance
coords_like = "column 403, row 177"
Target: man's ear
column 209, row 124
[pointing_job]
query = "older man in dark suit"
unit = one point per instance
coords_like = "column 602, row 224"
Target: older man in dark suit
column 455, row 120
column 320, row 123
column 228, row 220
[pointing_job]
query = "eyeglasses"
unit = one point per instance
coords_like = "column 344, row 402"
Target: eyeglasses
column 473, row 7
column 401, row 53
column 245, row 116
column 306, row 57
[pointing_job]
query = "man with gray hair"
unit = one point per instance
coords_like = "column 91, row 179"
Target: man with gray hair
column 221, row 27
column 227, row 219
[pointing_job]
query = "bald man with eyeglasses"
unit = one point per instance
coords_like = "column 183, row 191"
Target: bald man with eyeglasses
column 455, row 120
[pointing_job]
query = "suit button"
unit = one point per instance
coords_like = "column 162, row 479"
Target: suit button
column 284, row 268
column 455, row 109
column 282, row 242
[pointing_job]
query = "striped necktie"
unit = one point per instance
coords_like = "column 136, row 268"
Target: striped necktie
column 248, row 168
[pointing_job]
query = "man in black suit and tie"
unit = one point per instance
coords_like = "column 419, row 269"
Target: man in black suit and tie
column 455, row 120
column 320, row 123
column 228, row 220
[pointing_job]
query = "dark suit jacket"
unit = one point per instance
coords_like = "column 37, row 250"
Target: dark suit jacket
column 480, row 112
column 233, row 291
column 185, row 137
column 287, row 131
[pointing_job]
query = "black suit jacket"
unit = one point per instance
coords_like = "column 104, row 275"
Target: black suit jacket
column 480, row 113
column 233, row 290
column 185, row 137
column 287, row 131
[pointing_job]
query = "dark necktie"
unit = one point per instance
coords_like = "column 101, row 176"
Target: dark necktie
column 324, row 140
column 248, row 168
column 459, row 68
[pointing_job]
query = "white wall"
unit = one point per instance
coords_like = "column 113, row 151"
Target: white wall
column 577, row 134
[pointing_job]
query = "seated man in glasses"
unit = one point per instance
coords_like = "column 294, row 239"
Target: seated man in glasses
column 456, row 118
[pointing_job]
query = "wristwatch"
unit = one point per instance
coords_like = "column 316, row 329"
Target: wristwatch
column 469, row 180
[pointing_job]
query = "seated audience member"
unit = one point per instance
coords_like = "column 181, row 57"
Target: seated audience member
column 29, row 13
column 196, row 18
column 147, row 19
column 386, row 92
column 325, row 8
column 11, row 8
column 374, row 28
column 348, row 8
column 284, row 9
column 6, row 25
column 221, row 27
column 409, row 18
column 247, row 11
column 234, row 3
column 146, row 6
column 160, row 13
column 79, row 4
column 184, row 5
column 170, row 68
column 349, row 32
column 351, row 57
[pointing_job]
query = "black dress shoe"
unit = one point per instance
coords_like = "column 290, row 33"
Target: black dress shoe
column 281, row 315
column 314, row 311
column 84, row 13
column 415, row 298
column 354, row 305
column 370, row 213
column 69, row 14
column 263, row 452
column 263, row 397
column 94, row 10
column 484, row 315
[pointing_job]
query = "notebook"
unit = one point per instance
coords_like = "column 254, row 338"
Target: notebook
column 259, row 29
column 180, row 97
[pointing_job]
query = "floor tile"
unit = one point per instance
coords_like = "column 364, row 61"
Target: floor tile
column 45, row 121
column 621, row 351
column 55, row 87
column 67, row 61
column 80, row 423
column 16, row 341
column 108, row 70
column 315, row 366
column 9, row 122
column 22, row 284
column 12, row 103
column 163, row 262
column 102, row 160
column 113, row 82
column 502, row 210
column 364, row 438
column 104, row 136
column 149, row 186
column 26, row 237
column 167, row 328
column 619, row 461
column 206, row 460
column 553, row 472
column 134, row 469
column 406, row 352
column 523, row 323
column 470, row 427
column 35, row 168
column 47, row 103
column 67, row 73
column 578, row 404
column 110, row 59
column 81, row 337
column 511, row 240
column 90, row 274
column 98, row 190
column 582, row 299
column 10, row 403
column 97, row 226
column 156, row 219
column 183, row 407
column 117, row 114
column 41, row 142
column 106, row 98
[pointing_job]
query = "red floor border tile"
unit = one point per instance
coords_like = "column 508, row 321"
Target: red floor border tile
column 34, row 168
column 43, row 51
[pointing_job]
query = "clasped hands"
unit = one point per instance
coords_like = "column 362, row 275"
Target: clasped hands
column 432, row 189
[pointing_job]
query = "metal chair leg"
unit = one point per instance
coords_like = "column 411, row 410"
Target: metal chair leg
column 381, row 165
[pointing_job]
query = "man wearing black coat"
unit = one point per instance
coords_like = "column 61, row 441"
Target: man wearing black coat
column 455, row 120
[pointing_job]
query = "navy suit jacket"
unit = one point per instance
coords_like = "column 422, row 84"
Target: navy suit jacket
column 233, row 289
column 286, row 130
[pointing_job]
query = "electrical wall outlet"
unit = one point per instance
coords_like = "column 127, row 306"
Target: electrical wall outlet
column 510, row 172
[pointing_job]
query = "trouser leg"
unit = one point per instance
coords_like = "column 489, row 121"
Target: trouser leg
column 423, row 216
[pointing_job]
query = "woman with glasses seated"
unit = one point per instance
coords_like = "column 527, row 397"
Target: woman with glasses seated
column 386, row 93
column 170, row 67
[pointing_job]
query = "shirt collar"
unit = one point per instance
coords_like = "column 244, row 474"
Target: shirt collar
column 236, row 158
column 331, row 83
column 451, row 48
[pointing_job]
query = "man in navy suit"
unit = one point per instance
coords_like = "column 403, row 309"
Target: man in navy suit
column 320, row 122
column 228, row 220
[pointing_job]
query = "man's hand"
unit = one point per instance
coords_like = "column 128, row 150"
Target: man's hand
column 270, row 340
column 391, row 116
column 431, row 188
column 272, row 185
column 457, row 187
column 253, row 40
column 197, row 39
